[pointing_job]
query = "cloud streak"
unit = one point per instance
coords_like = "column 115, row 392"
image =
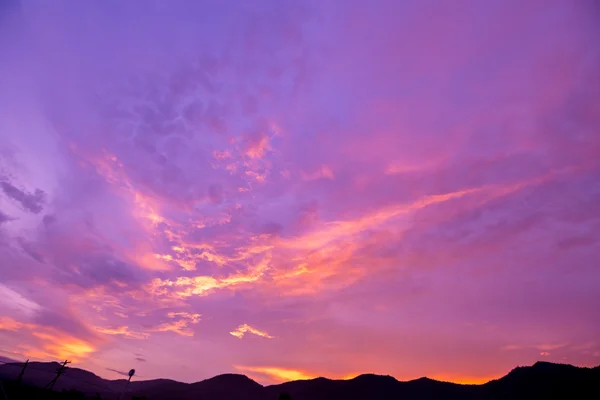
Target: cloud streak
column 241, row 330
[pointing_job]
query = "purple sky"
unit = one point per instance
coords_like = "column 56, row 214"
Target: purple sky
column 289, row 189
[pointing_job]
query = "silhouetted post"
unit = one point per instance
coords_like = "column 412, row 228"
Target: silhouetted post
column 131, row 373
column 20, row 378
column 58, row 374
column 2, row 391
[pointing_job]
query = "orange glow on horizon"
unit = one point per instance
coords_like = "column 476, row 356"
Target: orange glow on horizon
column 276, row 374
column 51, row 343
column 465, row 379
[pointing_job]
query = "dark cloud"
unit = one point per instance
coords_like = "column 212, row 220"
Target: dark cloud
column 32, row 202
column 4, row 218
column 215, row 193
column 64, row 321
column 117, row 371
column 140, row 359
column 48, row 219
column 95, row 270
column 105, row 269
column 30, row 250
column 271, row 228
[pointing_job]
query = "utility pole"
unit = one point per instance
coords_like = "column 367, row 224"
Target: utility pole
column 58, row 374
column 20, row 378
column 131, row 373
column 3, row 392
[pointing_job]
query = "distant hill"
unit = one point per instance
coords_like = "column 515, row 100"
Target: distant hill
column 540, row 381
column 4, row 360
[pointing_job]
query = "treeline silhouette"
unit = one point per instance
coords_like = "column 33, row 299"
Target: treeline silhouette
column 12, row 386
column 16, row 390
column 13, row 390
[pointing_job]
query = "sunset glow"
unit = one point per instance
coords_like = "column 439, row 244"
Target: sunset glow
column 295, row 189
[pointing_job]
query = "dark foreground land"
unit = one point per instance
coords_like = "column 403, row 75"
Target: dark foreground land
column 540, row 381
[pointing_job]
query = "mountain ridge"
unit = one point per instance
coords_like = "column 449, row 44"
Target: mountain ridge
column 544, row 378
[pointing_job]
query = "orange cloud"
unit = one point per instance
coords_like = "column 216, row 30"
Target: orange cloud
column 9, row 324
column 180, row 326
column 144, row 209
column 123, row 331
column 50, row 343
column 327, row 255
column 193, row 318
column 241, row 330
column 258, row 149
column 62, row 346
column 331, row 231
column 143, row 256
column 203, row 285
column 186, row 254
column 261, row 178
column 317, row 267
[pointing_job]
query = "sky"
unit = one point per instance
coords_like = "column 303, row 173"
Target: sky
column 292, row 189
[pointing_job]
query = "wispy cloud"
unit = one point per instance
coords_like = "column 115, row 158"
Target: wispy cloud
column 123, row 331
column 543, row 346
column 122, row 373
column 241, row 330
column 180, row 325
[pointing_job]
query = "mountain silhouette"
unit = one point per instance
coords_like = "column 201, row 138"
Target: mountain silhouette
column 541, row 381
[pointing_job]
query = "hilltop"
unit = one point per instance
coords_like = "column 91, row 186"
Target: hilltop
column 540, row 381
